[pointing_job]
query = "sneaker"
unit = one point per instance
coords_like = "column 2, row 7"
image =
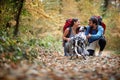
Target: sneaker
column 100, row 53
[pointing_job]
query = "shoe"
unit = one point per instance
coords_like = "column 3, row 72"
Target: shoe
column 100, row 53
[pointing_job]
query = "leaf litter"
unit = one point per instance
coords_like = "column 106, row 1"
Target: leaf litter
column 52, row 66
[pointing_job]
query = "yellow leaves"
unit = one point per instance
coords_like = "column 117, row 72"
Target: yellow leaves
column 88, row 9
column 69, row 9
column 36, row 9
column 12, row 23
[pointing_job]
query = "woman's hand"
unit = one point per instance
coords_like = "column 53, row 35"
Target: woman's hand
column 68, row 39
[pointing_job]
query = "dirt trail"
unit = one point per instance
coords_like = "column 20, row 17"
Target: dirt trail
column 105, row 53
column 52, row 66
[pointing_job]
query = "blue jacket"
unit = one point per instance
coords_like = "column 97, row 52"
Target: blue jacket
column 95, row 34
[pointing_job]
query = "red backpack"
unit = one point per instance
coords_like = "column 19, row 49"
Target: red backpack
column 104, row 26
column 101, row 23
column 67, row 24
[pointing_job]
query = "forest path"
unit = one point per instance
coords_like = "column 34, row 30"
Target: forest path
column 52, row 66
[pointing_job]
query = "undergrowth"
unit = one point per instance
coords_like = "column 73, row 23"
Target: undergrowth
column 18, row 48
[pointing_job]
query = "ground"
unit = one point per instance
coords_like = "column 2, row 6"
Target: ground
column 52, row 66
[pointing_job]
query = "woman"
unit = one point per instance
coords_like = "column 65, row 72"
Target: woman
column 69, row 33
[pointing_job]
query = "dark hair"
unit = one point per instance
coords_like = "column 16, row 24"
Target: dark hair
column 73, row 20
column 94, row 20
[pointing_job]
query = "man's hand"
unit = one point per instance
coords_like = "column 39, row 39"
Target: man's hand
column 88, row 36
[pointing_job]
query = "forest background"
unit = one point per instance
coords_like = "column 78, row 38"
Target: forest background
column 28, row 27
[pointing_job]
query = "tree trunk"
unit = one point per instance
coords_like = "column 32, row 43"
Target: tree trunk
column 16, row 30
column 106, row 2
column 105, row 7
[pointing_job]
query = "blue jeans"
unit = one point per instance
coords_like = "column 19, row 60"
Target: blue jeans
column 66, row 50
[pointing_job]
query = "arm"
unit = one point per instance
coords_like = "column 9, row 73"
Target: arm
column 98, row 35
column 87, row 31
column 65, row 34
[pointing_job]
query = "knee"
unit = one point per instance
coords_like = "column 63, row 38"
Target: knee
column 102, row 41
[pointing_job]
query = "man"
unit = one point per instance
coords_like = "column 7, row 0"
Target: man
column 94, row 34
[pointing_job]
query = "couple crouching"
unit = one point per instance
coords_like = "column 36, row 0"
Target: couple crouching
column 94, row 35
